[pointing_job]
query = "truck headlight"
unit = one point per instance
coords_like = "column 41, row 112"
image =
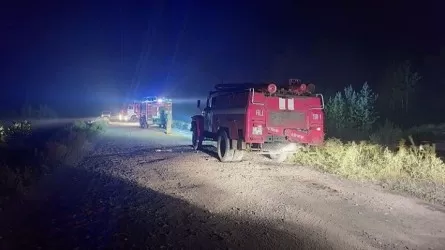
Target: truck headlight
column 257, row 130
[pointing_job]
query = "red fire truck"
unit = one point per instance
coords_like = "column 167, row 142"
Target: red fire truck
column 266, row 118
column 152, row 111
column 130, row 112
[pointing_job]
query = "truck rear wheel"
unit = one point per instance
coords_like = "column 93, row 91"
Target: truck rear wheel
column 225, row 153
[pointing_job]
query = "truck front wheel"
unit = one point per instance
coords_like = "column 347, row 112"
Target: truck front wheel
column 225, row 152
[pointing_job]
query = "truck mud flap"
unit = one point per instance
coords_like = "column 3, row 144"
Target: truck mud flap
column 277, row 148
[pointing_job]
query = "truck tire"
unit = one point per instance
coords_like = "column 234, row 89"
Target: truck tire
column 225, row 153
column 196, row 142
column 133, row 118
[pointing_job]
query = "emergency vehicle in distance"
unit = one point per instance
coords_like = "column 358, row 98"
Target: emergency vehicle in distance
column 106, row 114
column 130, row 112
column 152, row 111
column 268, row 118
column 147, row 109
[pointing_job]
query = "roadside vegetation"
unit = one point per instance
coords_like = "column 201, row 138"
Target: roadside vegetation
column 365, row 144
column 26, row 155
column 181, row 125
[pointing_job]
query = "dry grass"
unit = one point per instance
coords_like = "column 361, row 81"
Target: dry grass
column 414, row 169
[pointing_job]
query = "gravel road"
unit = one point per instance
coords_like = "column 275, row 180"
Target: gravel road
column 142, row 189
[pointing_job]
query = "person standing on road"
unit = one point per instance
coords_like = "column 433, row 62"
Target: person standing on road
column 163, row 118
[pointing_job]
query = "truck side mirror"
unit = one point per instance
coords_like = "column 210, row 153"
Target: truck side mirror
column 198, row 104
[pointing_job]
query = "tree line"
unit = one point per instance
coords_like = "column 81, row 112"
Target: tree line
column 355, row 113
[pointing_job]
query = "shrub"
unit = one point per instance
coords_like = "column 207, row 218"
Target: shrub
column 99, row 126
column 16, row 134
column 23, row 165
column 406, row 168
column 2, row 134
column 19, row 129
column 90, row 129
column 79, row 125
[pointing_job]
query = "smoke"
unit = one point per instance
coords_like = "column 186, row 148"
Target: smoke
column 188, row 100
column 184, row 108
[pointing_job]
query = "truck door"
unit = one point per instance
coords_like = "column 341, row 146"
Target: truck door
column 130, row 110
column 137, row 109
column 208, row 114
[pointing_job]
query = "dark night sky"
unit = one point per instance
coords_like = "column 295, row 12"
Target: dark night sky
column 83, row 56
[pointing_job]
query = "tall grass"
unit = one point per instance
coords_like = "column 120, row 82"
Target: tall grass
column 415, row 169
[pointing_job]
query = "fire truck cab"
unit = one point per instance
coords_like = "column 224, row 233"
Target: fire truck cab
column 130, row 112
column 267, row 118
column 153, row 111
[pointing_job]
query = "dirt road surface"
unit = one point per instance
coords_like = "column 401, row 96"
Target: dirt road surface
column 142, row 189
